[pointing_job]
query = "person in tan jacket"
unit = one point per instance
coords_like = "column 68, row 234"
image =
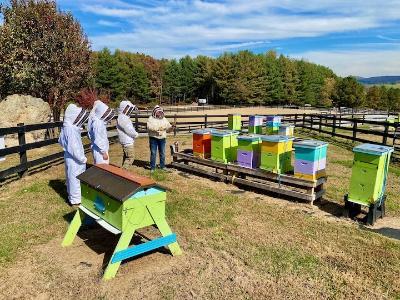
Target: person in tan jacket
column 157, row 127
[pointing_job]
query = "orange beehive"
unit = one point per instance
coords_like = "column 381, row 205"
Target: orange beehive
column 202, row 143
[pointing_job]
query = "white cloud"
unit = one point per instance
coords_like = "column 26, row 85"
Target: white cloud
column 108, row 23
column 386, row 38
column 112, row 12
column 365, row 63
column 174, row 28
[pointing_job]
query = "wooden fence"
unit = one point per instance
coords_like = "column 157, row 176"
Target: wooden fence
column 381, row 132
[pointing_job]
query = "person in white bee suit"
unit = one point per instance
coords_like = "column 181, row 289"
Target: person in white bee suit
column 126, row 132
column 74, row 154
column 99, row 117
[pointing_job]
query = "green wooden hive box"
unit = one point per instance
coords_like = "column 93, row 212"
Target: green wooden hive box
column 235, row 122
column 369, row 173
column 121, row 203
column 224, row 145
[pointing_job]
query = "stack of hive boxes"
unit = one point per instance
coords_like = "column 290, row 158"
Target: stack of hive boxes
column 273, row 124
column 202, row 143
column 224, row 145
column 235, row 122
column 286, row 130
column 369, row 173
column 310, row 159
column 276, row 153
column 256, row 124
column 248, row 154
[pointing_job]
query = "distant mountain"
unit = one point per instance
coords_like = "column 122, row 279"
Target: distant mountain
column 379, row 80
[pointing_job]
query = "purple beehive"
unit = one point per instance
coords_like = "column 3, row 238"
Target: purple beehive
column 256, row 120
column 248, row 159
column 309, row 167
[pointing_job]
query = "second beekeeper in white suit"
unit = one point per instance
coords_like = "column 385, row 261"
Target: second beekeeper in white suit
column 101, row 114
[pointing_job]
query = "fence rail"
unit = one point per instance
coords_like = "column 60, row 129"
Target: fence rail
column 379, row 131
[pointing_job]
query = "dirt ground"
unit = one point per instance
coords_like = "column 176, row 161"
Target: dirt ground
column 237, row 244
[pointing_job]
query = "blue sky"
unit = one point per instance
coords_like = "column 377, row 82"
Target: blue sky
column 357, row 37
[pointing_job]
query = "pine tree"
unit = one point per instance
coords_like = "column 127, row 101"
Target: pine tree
column 274, row 84
column 204, row 83
column 224, row 78
column 187, row 71
column 350, row 93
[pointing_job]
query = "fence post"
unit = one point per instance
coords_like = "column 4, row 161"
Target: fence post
column 354, row 129
column 304, row 120
column 205, row 121
column 312, row 122
column 295, row 119
column 340, row 120
column 23, row 158
column 385, row 133
column 334, row 125
column 175, row 128
column 320, row 123
column 136, row 122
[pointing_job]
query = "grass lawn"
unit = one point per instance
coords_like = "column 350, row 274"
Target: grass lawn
column 237, row 244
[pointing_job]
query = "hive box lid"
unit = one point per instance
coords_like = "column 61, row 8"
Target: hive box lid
column 251, row 137
column 216, row 132
column 373, row 149
column 202, row 131
column 312, row 144
column 115, row 182
column 276, row 138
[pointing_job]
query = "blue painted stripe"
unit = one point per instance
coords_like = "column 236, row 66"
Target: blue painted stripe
column 142, row 248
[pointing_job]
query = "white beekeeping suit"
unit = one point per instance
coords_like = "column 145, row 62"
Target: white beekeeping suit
column 74, row 154
column 125, row 128
column 101, row 114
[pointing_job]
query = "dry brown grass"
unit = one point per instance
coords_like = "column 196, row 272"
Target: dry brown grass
column 237, row 244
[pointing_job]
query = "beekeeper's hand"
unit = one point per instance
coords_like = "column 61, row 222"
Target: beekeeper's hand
column 105, row 156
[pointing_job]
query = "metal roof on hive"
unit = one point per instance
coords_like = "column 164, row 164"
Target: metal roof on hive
column 115, row 182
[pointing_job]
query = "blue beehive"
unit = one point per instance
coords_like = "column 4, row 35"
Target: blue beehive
column 310, row 159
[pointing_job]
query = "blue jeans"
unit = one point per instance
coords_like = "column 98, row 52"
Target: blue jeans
column 154, row 144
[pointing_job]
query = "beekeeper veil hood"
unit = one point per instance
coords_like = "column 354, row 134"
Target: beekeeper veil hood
column 157, row 112
column 75, row 115
column 133, row 107
column 125, row 108
column 103, row 112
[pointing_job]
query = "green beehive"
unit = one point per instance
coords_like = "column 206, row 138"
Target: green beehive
column 276, row 153
column 249, row 143
column 277, row 162
column 224, row 145
column 235, row 122
column 122, row 203
column 256, row 129
column 369, row 173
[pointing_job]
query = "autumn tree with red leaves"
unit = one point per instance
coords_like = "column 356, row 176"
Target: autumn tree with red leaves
column 43, row 53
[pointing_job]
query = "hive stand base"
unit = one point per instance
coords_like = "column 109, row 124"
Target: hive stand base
column 375, row 210
column 122, row 250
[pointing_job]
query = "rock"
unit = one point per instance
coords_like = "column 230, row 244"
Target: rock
column 24, row 109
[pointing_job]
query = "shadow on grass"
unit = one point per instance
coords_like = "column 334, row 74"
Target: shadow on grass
column 331, row 207
column 104, row 242
column 385, row 231
column 141, row 164
column 59, row 187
